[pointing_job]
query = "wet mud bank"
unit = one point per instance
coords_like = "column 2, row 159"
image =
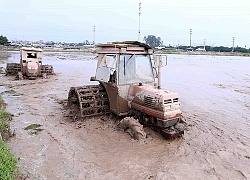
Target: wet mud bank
column 214, row 94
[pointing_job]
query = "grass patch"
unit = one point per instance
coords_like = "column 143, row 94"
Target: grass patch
column 5, row 119
column 34, row 128
column 1, row 70
column 8, row 163
column 12, row 92
column 246, row 156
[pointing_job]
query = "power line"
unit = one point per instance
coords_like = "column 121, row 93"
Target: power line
column 129, row 6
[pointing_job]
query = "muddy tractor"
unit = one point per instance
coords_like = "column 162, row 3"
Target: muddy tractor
column 129, row 77
column 30, row 65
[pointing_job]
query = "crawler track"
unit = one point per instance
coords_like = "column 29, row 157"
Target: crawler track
column 48, row 69
column 88, row 101
column 12, row 69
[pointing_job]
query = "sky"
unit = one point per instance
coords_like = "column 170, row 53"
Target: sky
column 212, row 22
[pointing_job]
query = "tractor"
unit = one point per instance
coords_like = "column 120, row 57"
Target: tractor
column 129, row 76
column 30, row 65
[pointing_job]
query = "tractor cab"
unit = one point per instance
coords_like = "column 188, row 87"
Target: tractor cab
column 31, row 61
column 121, row 67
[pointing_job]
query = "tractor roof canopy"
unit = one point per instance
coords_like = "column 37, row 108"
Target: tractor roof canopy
column 31, row 53
column 31, row 49
column 124, row 47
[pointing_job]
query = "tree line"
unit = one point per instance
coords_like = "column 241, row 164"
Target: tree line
column 154, row 42
column 3, row 40
column 214, row 48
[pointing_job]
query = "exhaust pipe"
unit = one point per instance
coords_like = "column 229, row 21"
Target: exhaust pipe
column 159, row 64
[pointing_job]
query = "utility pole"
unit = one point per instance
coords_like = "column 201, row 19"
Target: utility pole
column 190, row 36
column 233, row 44
column 94, row 36
column 205, row 44
column 139, row 21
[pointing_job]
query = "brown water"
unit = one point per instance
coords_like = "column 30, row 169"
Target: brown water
column 214, row 92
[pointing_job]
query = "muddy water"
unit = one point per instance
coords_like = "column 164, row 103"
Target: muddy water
column 214, row 93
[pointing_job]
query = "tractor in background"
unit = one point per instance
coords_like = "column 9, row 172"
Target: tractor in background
column 30, row 65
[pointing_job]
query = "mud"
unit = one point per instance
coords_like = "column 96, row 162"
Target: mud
column 214, row 94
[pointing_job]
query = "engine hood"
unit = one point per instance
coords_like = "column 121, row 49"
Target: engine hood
column 160, row 103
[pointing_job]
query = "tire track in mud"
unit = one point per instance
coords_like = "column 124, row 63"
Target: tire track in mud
column 220, row 158
column 43, row 161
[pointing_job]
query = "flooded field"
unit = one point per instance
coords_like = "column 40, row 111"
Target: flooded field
column 215, row 100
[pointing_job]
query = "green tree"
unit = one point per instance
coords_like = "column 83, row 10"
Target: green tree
column 152, row 41
column 3, row 40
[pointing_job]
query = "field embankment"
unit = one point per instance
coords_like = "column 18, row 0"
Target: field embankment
column 8, row 163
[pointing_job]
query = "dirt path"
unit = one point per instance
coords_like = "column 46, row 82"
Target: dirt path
column 215, row 101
